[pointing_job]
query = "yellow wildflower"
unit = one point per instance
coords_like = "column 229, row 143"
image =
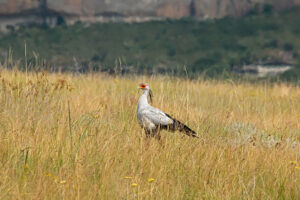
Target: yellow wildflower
column 55, row 179
column 134, row 184
column 293, row 162
column 297, row 167
column 96, row 116
column 26, row 169
column 297, row 115
column 252, row 94
column 62, row 182
column 150, row 180
column 25, row 166
column 48, row 175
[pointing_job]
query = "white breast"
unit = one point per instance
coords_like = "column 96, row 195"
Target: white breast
column 150, row 117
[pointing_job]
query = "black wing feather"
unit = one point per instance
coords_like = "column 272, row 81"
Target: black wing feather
column 179, row 126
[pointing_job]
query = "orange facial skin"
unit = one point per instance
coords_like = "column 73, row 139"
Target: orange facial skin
column 142, row 85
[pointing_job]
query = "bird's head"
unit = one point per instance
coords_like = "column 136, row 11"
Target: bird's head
column 145, row 88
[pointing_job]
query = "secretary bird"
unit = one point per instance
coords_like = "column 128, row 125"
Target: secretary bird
column 153, row 120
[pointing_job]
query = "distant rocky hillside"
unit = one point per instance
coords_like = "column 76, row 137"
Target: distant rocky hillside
column 185, row 47
column 13, row 12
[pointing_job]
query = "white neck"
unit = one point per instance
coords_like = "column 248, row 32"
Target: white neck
column 143, row 101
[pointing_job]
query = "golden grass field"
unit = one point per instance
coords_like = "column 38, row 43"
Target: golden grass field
column 66, row 136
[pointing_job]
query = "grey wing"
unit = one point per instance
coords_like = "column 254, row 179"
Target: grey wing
column 157, row 116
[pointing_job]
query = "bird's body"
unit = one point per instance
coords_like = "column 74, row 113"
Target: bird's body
column 153, row 120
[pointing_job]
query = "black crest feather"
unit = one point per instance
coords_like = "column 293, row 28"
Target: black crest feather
column 150, row 95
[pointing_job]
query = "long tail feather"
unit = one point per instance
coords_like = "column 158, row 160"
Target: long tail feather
column 177, row 125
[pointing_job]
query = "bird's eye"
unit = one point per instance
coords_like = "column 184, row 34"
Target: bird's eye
column 142, row 85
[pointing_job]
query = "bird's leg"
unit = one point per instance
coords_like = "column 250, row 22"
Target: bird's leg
column 157, row 136
column 148, row 133
column 147, row 139
column 155, row 133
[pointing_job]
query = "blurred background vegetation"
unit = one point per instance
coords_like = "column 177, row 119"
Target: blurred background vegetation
column 184, row 47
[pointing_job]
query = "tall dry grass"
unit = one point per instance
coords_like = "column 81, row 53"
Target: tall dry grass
column 77, row 137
